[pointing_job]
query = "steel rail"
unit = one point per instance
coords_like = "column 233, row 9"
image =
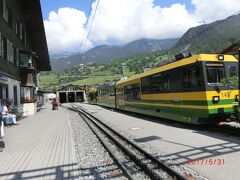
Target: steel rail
column 146, row 168
column 112, row 154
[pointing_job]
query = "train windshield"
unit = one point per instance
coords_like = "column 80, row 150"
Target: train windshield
column 216, row 74
column 233, row 79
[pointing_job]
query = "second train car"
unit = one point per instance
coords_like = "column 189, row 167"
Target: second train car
column 198, row 89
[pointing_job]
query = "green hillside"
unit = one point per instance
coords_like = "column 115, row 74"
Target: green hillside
column 210, row 38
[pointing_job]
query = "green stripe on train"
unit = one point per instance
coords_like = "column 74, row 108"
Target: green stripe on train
column 189, row 102
column 183, row 111
column 178, row 114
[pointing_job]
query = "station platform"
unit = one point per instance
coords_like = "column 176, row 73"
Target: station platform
column 40, row 147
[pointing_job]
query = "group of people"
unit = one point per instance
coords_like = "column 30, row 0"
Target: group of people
column 6, row 117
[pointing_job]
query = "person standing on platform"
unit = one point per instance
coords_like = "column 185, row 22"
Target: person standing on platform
column 54, row 104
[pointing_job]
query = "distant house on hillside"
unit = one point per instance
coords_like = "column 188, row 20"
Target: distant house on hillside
column 71, row 93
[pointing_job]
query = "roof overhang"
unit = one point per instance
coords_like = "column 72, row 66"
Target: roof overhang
column 36, row 33
column 232, row 49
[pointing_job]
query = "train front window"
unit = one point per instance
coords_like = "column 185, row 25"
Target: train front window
column 216, row 75
column 233, row 79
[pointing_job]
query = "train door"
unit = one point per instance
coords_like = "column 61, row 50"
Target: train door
column 120, row 97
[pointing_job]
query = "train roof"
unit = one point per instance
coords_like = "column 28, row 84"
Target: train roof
column 178, row 63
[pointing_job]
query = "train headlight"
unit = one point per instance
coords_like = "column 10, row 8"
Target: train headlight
column 220, row 57
column 236, row 98
column 215, row 99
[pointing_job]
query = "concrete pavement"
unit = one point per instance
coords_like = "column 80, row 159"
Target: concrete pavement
column 40, row 147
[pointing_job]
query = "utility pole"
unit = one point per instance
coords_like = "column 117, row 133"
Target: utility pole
column 82, row 67
column 123, row 69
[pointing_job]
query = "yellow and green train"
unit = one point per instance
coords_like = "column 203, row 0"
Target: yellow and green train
column 197, row 89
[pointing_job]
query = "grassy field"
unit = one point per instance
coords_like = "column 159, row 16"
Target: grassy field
column 94, row 81
column 50, row 79
column 53, row 81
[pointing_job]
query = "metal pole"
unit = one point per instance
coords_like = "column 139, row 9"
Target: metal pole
column 238, row 109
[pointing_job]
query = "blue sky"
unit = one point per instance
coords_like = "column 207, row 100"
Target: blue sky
column 54, row 5
column 167, row 3
column 123, row 21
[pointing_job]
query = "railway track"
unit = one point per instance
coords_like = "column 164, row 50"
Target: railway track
column 134, row 162
column 226, row 129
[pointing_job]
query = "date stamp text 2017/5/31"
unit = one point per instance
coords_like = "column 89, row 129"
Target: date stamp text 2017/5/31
column 205, row 162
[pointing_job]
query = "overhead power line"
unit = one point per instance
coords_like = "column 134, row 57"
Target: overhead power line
column 90, row 27
column 85, row 25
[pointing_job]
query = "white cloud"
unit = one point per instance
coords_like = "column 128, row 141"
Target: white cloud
column 212, row 10
column 129, row 20
column 124, row 21
column 64, row 29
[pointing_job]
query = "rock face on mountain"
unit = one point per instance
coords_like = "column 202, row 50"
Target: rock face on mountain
column 106, row 53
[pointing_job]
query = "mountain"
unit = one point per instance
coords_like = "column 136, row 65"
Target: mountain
column 106, row 53
column 63, row 54
column 210, row 38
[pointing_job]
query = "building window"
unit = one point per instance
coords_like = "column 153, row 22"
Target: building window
column 10, row 52
column 15, row 55
column 13, row 23
column 5, row 11
column 3, row 91
column 21, row 31
column 27, row 95
column 10, row 17
column 24, row 35
column 25, row 60
column 15, row 96
column 3, row 47
column 1, row 7
column 17, row 28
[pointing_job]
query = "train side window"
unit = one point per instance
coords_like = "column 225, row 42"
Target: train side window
column 146, row 85
column 157, row 84
column 128, row 92
column 132, row 92
column 160, row 82
column 166, row 82
column 192, row 77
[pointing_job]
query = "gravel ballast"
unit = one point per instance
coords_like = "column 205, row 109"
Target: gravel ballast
column 94, row 161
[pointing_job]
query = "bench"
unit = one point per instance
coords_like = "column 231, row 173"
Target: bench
column 20, row 114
